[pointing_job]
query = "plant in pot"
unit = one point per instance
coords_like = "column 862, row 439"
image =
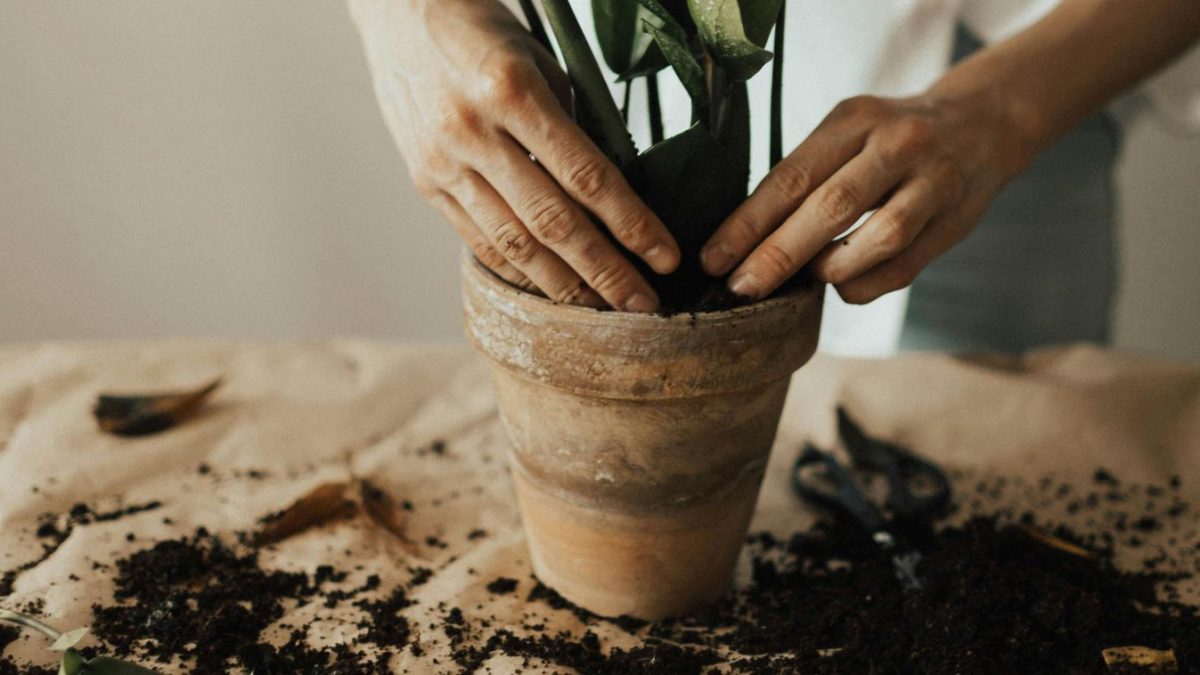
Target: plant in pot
column 638, row 442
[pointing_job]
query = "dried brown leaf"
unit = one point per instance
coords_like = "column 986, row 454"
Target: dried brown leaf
column 1136, row 659
column 142, row 414
column 1056, row 542
column 325, row 503
column 385, row 512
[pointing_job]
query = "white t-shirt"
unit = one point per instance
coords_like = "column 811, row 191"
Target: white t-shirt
column 836, row 49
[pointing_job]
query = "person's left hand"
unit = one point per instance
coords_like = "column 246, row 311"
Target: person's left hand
column 929, row 164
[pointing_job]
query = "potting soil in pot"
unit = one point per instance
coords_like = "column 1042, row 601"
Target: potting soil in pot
column 1002, row 593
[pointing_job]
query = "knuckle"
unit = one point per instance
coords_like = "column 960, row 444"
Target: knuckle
column 515, row 243
column 908, row 138
column 551, row 219
column 743, row 229
column 609, row 280
column 859, row 106
column 792, row 178
column 489, row 256
column 778, row 261
column 571, row 294
column 457, row 117
column 836, row 204
column 505, row 80
column 893, row 232
column 588, row 179
column 634, row 230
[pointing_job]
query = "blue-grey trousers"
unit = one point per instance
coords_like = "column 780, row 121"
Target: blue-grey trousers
column 1041, row 267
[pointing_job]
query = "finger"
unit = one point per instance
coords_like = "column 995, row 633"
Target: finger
column 564, row 150
column 558, row 223
column 885, row 235
column 519, row 247
column 780, row 194
column 559, row 83
column 829, row 211
column 478, row 243
column 938, row 236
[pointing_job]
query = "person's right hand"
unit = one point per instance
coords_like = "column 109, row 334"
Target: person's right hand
column 471, row 99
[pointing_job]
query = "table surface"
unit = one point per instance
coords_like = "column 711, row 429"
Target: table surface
column 304, row 414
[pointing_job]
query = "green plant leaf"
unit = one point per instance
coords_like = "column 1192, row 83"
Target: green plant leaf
column 619, row 31
column 693, row 163
column 719, row 23
column 72, row 663
column 672, row 41
column 758, row 18
column 596, row 110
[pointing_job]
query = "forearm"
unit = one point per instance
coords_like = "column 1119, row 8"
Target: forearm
column 1046, row 79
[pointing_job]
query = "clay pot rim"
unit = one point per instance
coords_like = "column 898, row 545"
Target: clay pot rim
column 588, row 314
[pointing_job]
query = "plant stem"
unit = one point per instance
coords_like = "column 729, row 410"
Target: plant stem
column 777, row 89
column 535, row 25
column 29, row 622
column 625, row 102
column 597, row 111
column 654, row 103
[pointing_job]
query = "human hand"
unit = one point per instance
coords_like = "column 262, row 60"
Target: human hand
column 929, row 164
column 471, row 98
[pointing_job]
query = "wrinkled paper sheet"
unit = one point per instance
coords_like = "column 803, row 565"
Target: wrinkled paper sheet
column 310, row 413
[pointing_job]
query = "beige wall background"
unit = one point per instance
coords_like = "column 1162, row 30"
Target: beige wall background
column 218, row 168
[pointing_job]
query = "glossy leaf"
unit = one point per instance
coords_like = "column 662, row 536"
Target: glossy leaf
column 719, row 23
column 759, row 17
column 595, row 109
column 692, row 183
column 618, row 23
column 672, row 41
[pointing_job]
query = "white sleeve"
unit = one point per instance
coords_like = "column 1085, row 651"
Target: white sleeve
column 1173, row 93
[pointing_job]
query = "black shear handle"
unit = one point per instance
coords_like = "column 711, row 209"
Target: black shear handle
column 903, row 469
column 819, row 478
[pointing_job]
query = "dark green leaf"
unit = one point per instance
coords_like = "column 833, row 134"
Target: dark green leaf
column 72, row 663
column 721, row 29
column 596, row 110
column 734, row 128
column 683, row 63
column 759, row 17
column 619, row 31
column 695, row 164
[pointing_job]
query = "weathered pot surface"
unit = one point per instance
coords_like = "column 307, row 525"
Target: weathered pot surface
column 638, row 442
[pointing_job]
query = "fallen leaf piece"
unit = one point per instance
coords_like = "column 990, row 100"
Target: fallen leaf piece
column 143, row 414
column 1140, row 660
column 384, row 511
column 325, row 503
column 1056, row 542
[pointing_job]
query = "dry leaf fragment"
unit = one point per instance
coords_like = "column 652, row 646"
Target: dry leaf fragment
column 1056, row 542
column 1135, row 659
column 385, row 512
column 324, row 503
column 142, row 414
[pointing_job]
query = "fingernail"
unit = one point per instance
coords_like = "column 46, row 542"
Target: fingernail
column 640, row 302
column 662, row 259
column 745, row 284
column 716, row 258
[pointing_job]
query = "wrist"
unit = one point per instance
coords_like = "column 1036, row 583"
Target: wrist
column 1010, row 128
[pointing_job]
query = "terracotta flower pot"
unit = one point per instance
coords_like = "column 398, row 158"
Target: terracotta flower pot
column 638, row 442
